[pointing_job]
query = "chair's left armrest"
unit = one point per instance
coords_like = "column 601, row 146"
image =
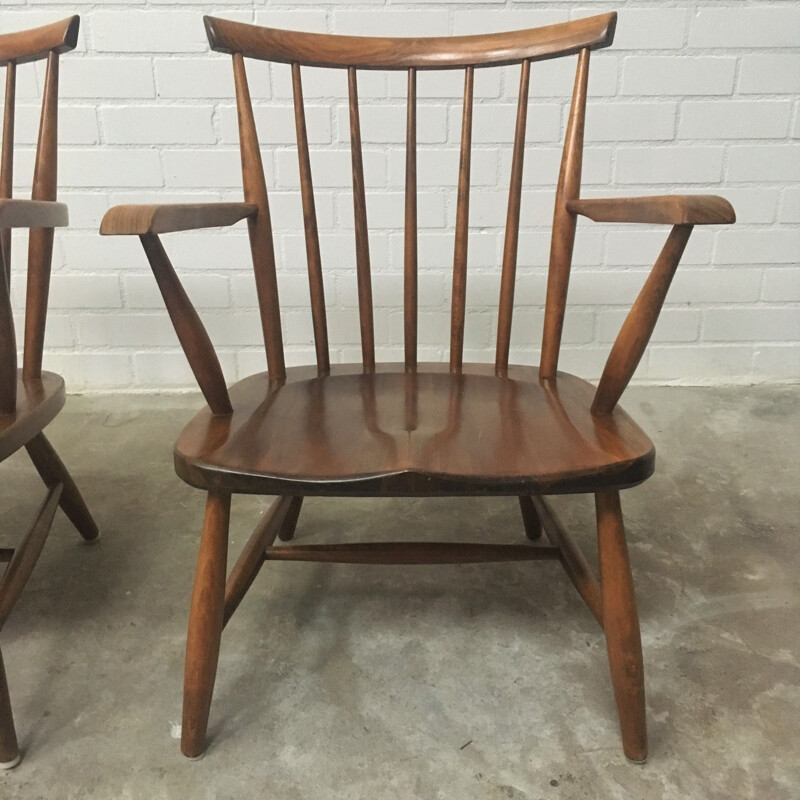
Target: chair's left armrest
column 143, row 219
column 668, row 209
column 32, row 214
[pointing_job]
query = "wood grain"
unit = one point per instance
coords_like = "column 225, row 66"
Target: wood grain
column 621, row 626
column 510, row 245
column 189, row 329
column 7, row 160
column 259, row 227
column 141, row 219
column 636, row 330
column 205, row 624
column 315, row 284
column 445, row 52
column 563, row 237
column 410, row 243
column 363, row 268
column 21, row 47
column 460, row 249
column 668, row 209
column 40, row 240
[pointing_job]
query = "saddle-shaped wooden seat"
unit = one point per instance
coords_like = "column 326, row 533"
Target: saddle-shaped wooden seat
column 413, row 433
column 414, row 429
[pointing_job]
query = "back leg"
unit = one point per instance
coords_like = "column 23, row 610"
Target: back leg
column 53, row 471
column 9, row 749
column 533, row 525
column 621, row 625
column 286, row 532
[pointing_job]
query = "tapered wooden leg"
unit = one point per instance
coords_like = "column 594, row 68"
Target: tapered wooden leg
column 53, row 471
column 533, row 525
column 205, row 624
column 9, row 749
column 621, row 625
column 286, row 533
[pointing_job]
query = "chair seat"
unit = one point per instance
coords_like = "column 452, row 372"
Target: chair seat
column 38, row 402
column 412, row 433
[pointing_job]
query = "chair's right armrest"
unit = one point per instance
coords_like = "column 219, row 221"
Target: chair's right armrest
column 143, row 219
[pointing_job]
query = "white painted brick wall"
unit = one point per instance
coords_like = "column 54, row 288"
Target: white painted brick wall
column 694, row 96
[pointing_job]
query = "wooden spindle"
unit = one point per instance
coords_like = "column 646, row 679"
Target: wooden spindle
column 7, row 159
column 410, row 238
column 40, row 240
column 362, row 235
column 8, row 348
column 637, row 329
column 190, row 330
column 510, row 247
column 462, row 230
column 314, row 257
column 563, row 239
column 260, row 226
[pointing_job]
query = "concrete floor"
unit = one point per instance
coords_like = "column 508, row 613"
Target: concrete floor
column 423, row 682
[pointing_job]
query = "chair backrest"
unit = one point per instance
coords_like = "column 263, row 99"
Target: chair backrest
column 22, row 47
column 352, row 54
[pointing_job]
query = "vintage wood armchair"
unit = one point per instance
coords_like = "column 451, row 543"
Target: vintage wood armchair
column 414, row 429
column 29, row 397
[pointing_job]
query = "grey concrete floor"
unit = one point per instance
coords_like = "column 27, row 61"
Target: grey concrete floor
column 421, row 682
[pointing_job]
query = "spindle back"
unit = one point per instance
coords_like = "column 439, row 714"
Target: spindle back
column 22, row 47
column 353, row 53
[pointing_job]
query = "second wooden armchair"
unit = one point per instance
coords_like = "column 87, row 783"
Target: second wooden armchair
column 414, row 429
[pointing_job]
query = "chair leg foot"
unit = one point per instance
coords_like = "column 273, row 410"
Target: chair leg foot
column 52, row 470
column 621, row 625
column 9, row 748
column 530, row 518
column 205, row 625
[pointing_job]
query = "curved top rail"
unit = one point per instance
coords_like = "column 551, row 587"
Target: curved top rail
column 31, row 45
column 440, row 52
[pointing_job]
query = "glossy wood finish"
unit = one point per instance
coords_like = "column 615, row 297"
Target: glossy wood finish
column 205, row 624
column 410, row 243
column 191, row 334
column 347, row 433
column 29, row 397
column 22, row 47
column 36, row 405
column 315, row 283
column 417, row 553
column 669, row 209
column 416, row 429
column 509, row 273
column 259, row 226
column 631, row 342
column 7, row 162
column 621, row 626
column 142, row 219
column 459, row 299
column 564, row 223
column 40, row 240
column 363, row 271
column 53, row 472
column 249, row 563
column 574, row 562
column 443, row 52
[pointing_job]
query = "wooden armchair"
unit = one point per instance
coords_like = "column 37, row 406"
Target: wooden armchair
column 29, row 397
column 414, row 429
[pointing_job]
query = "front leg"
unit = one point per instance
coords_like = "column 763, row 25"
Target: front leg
column 205, row 624
column 621, row 625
